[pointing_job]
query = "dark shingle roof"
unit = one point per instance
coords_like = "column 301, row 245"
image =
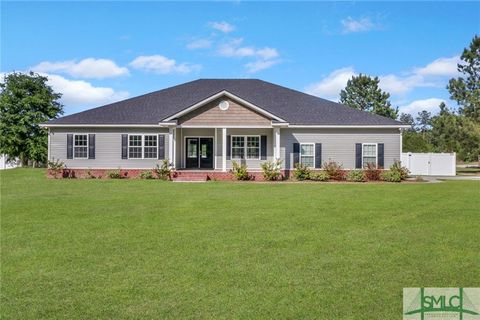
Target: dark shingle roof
column 293, row 106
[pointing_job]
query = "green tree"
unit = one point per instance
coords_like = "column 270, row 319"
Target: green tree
column 424, row 120
column 466, row 88
column 363, row 93
column 414, row 141
column 26, row 101
column 452, row 132
column 407, row 118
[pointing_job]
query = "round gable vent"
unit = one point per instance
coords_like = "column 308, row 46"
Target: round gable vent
column 223, row 105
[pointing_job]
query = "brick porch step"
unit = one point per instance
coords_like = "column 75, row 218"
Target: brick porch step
column 191, row 176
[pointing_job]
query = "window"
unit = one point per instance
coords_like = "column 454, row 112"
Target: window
column 142, row 146
column 150, row 147
column 245, row 147
column 80, row 146
column 369, row 154
column 238, row 147
column 135, row 146
column 307, row 156
column 253, row 147
column 192, row 148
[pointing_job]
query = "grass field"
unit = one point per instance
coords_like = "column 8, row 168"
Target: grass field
column 134, row 249
column 468, row 171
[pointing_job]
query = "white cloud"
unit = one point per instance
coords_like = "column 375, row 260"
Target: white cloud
column 402, row 84
column 199, row 44
column 432, row 75
column 416, row 106
column 233, row 48
column 222, row 26
column 267, row 53
column 440, row 67
column 86, row 68
column 351, row 25
column 265, row 57
column 253, row 67
column 80, row 93
column 162, row 65
column 330, row 86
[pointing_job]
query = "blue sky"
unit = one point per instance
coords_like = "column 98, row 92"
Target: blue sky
column 99, row 52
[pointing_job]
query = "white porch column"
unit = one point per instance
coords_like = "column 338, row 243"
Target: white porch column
column 276, row 147
column 215, row 150
column 224, row 149
column 171, row 143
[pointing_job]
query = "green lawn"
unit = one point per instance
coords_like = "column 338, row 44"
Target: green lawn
column 468, row 171
column 131, row 249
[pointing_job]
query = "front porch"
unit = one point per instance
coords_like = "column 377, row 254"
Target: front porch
column 199, row 149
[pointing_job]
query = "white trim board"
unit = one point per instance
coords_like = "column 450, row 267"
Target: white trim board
column 349, row 126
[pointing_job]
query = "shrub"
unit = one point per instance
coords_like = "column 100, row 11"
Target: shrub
column 334, row 170
column 391, row 176
column 147, row 174
column 163, row 171
column 319, row 176
column 56, row 167
column 115, row 174
column 372, row 173
column 402, row 171
column 68, row 174
column 356, row 176
column 271, row 170
column 301, row 172
column 240, row 171
column 90, row 175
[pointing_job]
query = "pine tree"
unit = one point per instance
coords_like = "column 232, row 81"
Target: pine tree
column 363, row 93
column 466, row 88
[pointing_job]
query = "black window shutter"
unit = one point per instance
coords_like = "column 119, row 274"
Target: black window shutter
column 91, row 146
column 229, row 140
column 161, row 146
column 380, row 154
column 318, row 155
column 263, row 147
column 358, row 156
column 69, row 146
column 124, row 146
column 296, row 153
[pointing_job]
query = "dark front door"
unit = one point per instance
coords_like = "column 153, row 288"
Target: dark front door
column 199, row 153
column 206, row 153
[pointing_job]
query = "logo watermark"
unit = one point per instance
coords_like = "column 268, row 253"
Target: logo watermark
column 441, row 303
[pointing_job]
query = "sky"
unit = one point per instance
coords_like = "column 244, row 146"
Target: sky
column 96, row 53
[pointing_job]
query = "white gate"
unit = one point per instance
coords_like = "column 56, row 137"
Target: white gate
column 430, row 164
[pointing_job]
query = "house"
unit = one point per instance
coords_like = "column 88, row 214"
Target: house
column 209, row 123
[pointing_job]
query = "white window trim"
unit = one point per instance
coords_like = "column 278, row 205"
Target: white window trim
column 88, row 144
column 376, row 152
column 300, row 152
column 245, row 147
column 142, row 146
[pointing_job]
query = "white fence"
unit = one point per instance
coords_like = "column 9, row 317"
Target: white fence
column 4, row 164
column 430, row 164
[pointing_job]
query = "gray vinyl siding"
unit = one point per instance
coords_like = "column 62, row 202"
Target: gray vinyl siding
column 108, row 148
column 339, row 144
